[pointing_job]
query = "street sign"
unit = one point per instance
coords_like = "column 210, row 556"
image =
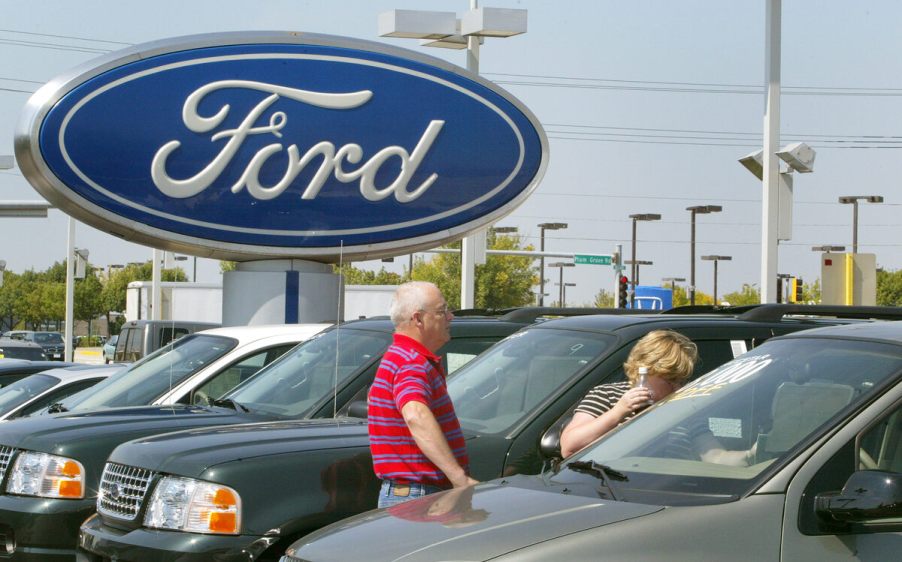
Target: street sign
column 587, row 259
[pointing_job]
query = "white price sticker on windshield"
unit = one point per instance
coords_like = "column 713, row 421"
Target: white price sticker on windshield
column 725, row 427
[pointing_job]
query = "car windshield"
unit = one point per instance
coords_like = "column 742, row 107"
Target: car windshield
column 307, row 375
column 23, row 390
column 48, row 337
column 509, row 381
column 21, row 352
column 156, row 374
column 711, row 440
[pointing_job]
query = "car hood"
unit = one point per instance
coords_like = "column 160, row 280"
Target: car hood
column 484, row 522
column 76, row 433
column 190, row 453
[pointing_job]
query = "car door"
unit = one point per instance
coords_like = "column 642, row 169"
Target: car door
column 871, row 440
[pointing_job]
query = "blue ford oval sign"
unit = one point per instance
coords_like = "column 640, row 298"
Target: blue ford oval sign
column 240, row 146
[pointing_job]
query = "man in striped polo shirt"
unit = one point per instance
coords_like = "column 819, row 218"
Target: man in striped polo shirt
column 415, row 438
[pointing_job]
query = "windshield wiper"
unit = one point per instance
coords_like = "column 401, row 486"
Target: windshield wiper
column 603, row 472
column 229, row 403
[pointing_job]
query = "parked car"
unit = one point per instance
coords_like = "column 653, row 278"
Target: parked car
column 816, row 416
column 51, row 342
column 193, row 368
column 509, row 400
column 21, row 349
column 12, row 370
column 109, row 348
column 316, row 379
column 35, row 392
column 138, row 338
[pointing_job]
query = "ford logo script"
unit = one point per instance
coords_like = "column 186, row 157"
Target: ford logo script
column 254, row 146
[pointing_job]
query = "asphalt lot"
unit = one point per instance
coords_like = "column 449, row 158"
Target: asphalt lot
column 89, row 355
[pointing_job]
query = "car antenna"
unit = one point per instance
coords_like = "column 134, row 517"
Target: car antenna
column 341, row 255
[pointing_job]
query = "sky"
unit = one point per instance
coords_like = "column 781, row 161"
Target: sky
column 647, row 105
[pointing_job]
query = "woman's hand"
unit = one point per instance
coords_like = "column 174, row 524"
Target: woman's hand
column 635, row 399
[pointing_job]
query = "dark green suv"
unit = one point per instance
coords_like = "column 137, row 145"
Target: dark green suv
column 278, row 481
column 50, row 467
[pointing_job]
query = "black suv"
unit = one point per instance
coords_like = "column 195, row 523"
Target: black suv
column 281, row 480
column 50, row 467
column 51, row 342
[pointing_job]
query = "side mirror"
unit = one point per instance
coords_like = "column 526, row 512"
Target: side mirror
column 550, row 443
column 867, row 496
column 358, row 409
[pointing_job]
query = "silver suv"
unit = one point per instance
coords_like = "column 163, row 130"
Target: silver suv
column 792, row 451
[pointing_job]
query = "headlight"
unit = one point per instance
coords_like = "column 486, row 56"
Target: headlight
column 194, row 506
column 47, row 476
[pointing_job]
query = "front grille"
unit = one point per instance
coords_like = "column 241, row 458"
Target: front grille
column 6, row 453
column 122, row 490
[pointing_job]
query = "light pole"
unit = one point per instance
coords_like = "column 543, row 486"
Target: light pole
column 444, row 29
column 636, row 218
column 716, row 259
column 564, row 299
column 542, row 228
column 696, row 210
column 853, row 200
column 673, row 281
column 561, row 265
column 636, row 264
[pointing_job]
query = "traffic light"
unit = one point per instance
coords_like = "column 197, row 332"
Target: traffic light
column 623, row 291
column 796, row 287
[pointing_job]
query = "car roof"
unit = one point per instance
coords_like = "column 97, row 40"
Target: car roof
column 24, row 365
column 876, row 331
column 253, row 333
column 80, row 372
column 9, row 342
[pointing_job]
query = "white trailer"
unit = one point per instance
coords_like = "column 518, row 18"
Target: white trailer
column 194, row 302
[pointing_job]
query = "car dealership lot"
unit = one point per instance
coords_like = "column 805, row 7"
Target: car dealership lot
column 511, row 401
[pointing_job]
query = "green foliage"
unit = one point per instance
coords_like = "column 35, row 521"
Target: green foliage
column 227, row 266
column 355, row 276
column 604, row 299
column 749, row 294
column 889, row 288
column 502, row 282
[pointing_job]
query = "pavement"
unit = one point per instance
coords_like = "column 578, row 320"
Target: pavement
column 89, row 355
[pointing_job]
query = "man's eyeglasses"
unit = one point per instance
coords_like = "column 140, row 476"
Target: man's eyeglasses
column 443, row 311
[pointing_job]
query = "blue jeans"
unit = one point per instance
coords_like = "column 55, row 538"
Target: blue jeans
column 392, row 494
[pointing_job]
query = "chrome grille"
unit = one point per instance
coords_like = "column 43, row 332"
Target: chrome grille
column 122, row 490
column 6, row 453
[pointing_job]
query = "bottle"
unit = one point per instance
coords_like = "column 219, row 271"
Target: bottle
column 643, row 381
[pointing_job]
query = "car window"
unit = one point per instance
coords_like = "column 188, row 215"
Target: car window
column 713, row 438
column 158, row 373
column 58, row 396
column 503, row 385
column 134, row 346
column 48, row 337
column 460, row 351
column 304, row 376
column 237, row 373
column 168, row 333
column 21, row 352
column 23, row 390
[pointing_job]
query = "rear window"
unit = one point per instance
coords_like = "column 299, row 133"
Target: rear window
column 21, row 352
column 48, row 337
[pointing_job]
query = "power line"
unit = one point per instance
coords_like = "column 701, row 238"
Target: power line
column 63, row 36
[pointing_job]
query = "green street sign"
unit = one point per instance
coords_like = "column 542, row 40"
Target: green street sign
column 587, row 259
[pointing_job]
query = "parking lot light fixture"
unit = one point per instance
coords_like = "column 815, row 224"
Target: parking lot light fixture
column 636, row 218
column 853, row 200
column 542, row 228
column 827, row 248
column 561, row 265
column 696, row 210
column 445, row 29
column 716, row 259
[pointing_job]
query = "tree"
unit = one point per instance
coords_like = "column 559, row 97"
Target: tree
column 604, row 299
column 227, row 266
column 502, row 282
column 889, row 288
column 749, row 294
column 355, row 276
